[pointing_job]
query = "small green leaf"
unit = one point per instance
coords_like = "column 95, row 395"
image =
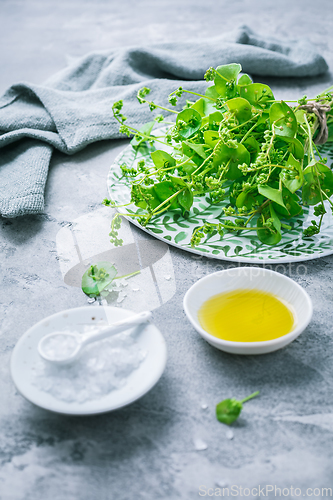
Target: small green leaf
column 294, row 146
column 283, row 119
column 258, row 94
column 177, row 182
column 316, row 174
column 164, row 190
column 225, row 79
column 211, row 137
column 269, row 236
column 162, row 159
column 97, row 277
column 233, row 157
column 271, row 194
column 188, row 122
column 293, row 178
column 197, row 148
column 292, row 206
column 185, row 199
column 215, row 117
column 228, row 411
column 276, row 220
column 244, row 80
column 146, row 129
column 188, row 166
column 212, row 92
column 204, row 106
column 241, row 108
column 253, row 147
column 246, row 199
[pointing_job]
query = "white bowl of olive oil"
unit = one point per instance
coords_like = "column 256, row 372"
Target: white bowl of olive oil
column 248, row 310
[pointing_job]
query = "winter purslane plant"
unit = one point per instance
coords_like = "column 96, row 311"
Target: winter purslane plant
column 239, row 145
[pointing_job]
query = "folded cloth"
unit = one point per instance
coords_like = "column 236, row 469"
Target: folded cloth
column 73, row 108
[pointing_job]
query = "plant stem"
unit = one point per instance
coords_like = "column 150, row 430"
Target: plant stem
column 127, row 275
column 250, row 397
column 195, row 93
column 310, row 138
column 162, row 107
column 242, row 124
column 249, row 132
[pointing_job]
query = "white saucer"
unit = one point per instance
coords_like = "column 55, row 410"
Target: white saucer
column 25, row 358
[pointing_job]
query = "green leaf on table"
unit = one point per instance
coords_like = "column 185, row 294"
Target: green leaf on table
column 228, row 410
column 97, row 277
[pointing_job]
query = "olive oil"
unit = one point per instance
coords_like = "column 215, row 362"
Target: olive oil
column 246, row 315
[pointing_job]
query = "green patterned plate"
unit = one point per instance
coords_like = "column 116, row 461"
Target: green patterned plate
column 173, row 228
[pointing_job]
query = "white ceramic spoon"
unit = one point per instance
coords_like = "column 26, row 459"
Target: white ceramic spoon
column 65, row 347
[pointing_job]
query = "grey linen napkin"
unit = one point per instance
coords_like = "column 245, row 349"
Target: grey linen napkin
column 73, row 108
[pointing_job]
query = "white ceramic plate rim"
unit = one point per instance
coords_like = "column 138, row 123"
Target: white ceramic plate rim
column 211, row 338
column 116, row 399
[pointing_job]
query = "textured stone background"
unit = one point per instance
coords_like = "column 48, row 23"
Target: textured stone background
column 147, row 450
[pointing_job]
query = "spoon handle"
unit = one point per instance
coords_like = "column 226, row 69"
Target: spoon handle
column 118, row 327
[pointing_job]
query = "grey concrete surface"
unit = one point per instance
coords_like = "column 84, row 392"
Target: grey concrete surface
column 147, row 450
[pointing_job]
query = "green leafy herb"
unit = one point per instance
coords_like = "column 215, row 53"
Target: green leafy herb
column 97, row 278
column 228, row 410
column 234, row 143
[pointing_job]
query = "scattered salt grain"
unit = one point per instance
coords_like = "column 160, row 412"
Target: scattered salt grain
column 168, row 278
column 200, row 445
column 229, row 434
column 122, row 296
column 204, row 406
column 221, row 483
column 91, row 300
